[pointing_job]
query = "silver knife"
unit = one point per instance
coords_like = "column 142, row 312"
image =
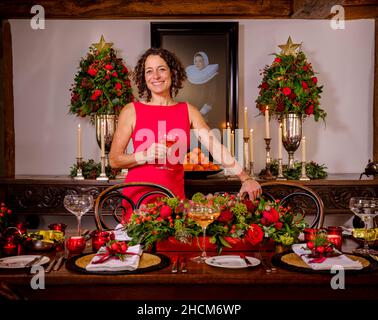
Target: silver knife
column 58, row 263
column 34, row 261
column 51, row 264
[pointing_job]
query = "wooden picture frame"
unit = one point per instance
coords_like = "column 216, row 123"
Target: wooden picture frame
column 214, row 87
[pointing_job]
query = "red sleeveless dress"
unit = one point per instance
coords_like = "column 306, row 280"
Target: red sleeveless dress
column 151, row 122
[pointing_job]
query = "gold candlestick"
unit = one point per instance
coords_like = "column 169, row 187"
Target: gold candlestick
column 280, row 171
column 268, row 174
column 303, row 172
column 103, row 176
column 79, row 172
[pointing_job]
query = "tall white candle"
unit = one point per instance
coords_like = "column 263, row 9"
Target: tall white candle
column 228, row 137
column 251, row 145
column 245, row 131
column 232, row 143
column 267, row 131
column 78, row 143
column 280, row 141
column 102, row 139
column 304, row 149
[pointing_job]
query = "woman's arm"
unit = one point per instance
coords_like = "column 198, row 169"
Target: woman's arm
column 121, row 138
column 221, row 154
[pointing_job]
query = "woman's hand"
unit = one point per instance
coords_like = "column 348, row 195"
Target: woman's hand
column 156, row 151
column 251, row 187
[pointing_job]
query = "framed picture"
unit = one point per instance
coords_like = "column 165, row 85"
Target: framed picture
column 209, row 54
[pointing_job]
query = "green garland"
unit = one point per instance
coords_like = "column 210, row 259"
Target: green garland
column 92, row 170
column 313, row 170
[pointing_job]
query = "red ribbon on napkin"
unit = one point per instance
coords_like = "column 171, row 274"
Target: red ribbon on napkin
column 114, row 248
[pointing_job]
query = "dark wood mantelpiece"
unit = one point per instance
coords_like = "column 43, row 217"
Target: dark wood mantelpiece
column 44, row 194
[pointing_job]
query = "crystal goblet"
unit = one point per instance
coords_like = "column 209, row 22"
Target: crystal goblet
column 78, row 205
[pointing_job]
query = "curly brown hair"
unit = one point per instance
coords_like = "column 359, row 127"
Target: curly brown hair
column 178, row 73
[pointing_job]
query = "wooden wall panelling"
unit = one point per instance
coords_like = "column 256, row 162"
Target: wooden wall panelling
column 7, row 108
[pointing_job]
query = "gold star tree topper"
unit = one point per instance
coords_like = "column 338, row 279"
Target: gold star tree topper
column 102, row 44
column 289, row 48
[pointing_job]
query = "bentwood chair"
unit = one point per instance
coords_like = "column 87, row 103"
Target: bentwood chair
column 301, row 199
column 111, row 203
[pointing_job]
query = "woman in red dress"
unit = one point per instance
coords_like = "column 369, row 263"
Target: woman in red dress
column 156, row 119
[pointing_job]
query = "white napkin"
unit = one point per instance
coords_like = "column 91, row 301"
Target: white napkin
column 327, row 264
column 120, row 234
column 130, row 263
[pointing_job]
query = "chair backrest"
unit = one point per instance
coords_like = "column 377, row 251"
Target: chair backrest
column 111, row 203
column 300, row 198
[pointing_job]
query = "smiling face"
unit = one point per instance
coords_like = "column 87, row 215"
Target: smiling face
column 157, row 75
column 198, row 62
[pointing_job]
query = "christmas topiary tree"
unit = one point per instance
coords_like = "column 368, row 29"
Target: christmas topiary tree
column 289, row 85
column 102, row 84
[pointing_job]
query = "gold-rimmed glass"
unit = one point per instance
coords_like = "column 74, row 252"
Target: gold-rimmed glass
column 203, row 215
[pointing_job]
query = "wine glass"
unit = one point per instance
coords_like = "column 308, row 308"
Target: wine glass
column 203, row 215
column 365, row 208
column 169, row 140
column 78, row 205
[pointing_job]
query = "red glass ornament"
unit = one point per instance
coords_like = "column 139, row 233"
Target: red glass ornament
column 99, row 239
column 76, row 245
column 58, row 227
column 310, row 234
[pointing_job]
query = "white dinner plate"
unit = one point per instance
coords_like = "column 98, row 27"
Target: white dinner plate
column 232, row 262
column 18, row 262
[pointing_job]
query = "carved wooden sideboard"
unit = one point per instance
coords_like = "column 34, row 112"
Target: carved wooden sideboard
column 43, row 195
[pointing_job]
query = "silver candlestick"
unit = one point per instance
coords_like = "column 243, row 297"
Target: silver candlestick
column 79, row 172
column 280, row 170
column 103, row 176
column 303, row 172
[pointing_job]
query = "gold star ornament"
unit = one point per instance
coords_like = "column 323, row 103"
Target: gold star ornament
column 102, row 44
column 289, row 48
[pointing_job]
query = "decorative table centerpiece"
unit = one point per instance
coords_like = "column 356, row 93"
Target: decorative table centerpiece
column 290, row 92
column 241, row 225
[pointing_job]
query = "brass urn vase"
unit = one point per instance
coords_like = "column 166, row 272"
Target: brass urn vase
column 109, row 123
column 291, row 134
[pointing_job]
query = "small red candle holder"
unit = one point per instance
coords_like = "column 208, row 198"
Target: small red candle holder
column 310, row 233
column 75, row 245
column 10, row 248
column 100, row 238
column 335, row 236
column 58, row 227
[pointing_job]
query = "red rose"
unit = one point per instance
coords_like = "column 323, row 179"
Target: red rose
column 226, row 216
column 277, row 60
column 115, row 74
column 305, row 68
column 109, row 67
column 286, row 91
column 254, row 234
column 92, row 71
column 310, row 245
column 269, row 217
column 280, row 107
column 304, row 85
column 165, row 211
column 264, row 85
column 314, row 80
column 107, row 77
column 278, row 225
column 249, row 204
column 118, row 86
column 309, row 110
column 124, row 70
